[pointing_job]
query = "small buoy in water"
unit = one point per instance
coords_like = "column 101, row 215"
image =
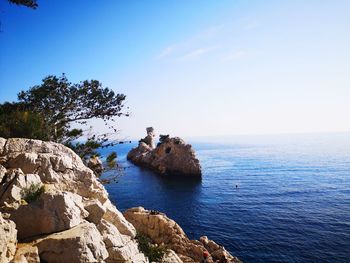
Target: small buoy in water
column 236, row 185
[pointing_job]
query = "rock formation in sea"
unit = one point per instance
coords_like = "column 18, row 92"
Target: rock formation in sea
column 54, row 209
column 171, row 156
column 163, row 230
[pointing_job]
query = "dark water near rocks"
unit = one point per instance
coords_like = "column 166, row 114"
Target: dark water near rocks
column 292, row 203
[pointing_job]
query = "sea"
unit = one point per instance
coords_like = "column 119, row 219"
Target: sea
column 271, row 198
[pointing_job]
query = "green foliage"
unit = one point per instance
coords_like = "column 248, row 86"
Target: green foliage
column 50, row 110
column 27, row 3
column 15, row 122
column 153, row 252
column 64, row 104
column 111, row 160
column 32, row 193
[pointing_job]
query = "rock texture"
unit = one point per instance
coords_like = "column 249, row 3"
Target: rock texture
column 171, row 156
column 162, row 230
column 95, row 164
column 82, row 243
column 72, row 221
column 26, row 253
column 8, row 239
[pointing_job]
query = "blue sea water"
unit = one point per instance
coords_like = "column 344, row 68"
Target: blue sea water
column 292, row 203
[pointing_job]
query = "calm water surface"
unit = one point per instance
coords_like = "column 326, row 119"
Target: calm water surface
column 292, row 203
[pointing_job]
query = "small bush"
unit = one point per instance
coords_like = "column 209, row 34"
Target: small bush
column 32, row 193
column 153, row 252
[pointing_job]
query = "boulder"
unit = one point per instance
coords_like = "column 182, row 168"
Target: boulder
column 114, row 216
column 171, row 156
column 162, row 230
column 55, row 164
column 96, row 211
column 52, row 212
column 26, row 253
column 96, row 165
column 121, row 248
column 27, row 162
column 8, row 239
column 82, row 243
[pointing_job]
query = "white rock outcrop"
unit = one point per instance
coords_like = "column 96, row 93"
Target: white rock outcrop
column 52, row 212
column 82, row 243
column 8, row 239
column 72, row 221
column 162, row 230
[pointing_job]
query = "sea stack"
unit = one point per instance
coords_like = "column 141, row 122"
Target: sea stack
column 171, row 156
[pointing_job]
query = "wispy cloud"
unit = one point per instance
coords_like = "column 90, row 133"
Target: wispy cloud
column 167, row 51
column 197, row 39
column 198, row 52
column 235, row 55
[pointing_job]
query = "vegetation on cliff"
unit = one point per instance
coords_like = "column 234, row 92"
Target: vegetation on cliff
column 60, row 111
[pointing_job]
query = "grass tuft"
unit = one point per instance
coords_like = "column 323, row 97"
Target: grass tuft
column 153, row 252
column 32, row 193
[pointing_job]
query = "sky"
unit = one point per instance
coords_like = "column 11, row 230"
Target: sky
column 191, row 67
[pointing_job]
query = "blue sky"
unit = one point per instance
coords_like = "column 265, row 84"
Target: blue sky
column 192, row 68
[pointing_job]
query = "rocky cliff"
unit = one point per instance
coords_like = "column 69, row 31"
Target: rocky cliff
column 54, row 209
column 171, row 156
column 163, row 230
column 70, row 220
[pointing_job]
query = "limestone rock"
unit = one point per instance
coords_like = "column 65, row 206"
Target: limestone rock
column 52, row 212
column 73, row 195
column 121, row 248
column 55, row 164
column 96, row 165
column 2, row 172
column 162, row 230
column 12, row 184
column 8, row 239
column 171, row 257
column 26, row 253
column 219, row 253
column 115, row 217
column 96, row 211
column 172, row 156
column 25, row 161
column 82, row 243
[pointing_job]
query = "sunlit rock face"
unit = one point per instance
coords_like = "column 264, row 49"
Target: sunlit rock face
column 171, row 156
column 8, row 239
column 163, row 230
column 72, row 220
